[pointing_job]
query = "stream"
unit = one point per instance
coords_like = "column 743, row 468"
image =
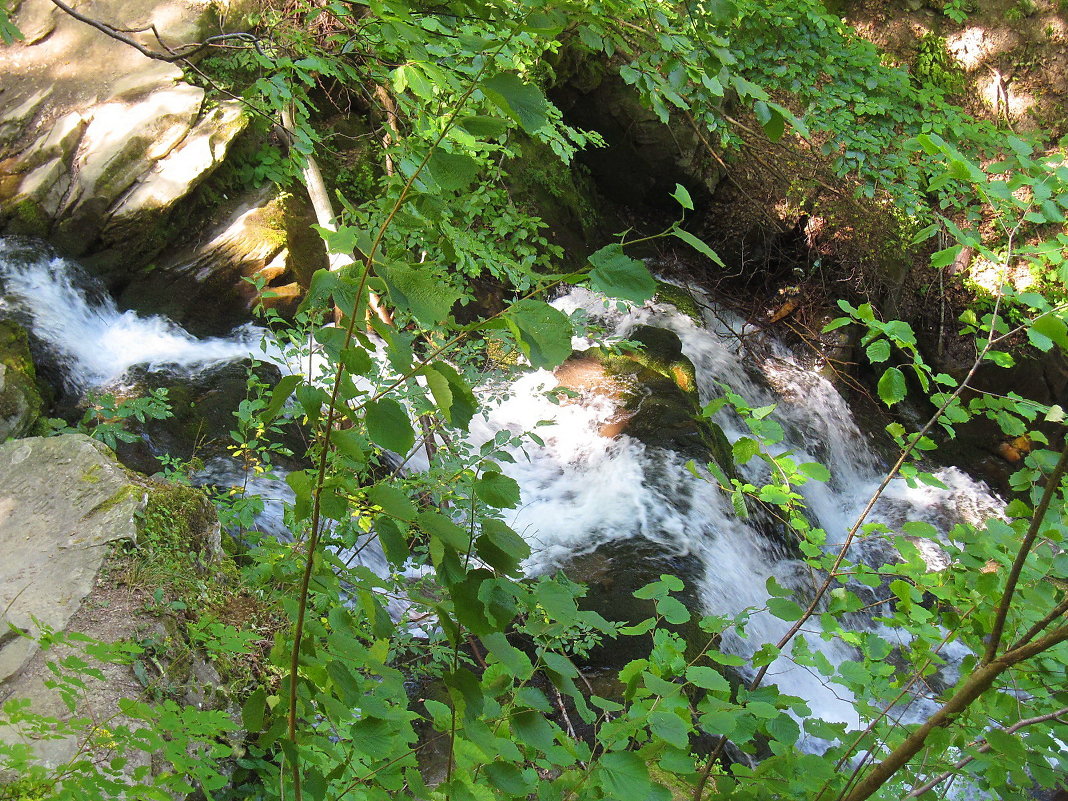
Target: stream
column 580, row 490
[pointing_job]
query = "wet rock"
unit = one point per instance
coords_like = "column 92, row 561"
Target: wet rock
column 655, row 391
column 202, row 414
column 20, row 400
column 612, row 573
column 205, row 285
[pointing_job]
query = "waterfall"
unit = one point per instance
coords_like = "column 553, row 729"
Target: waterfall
column 84, row 331
column 579, row 489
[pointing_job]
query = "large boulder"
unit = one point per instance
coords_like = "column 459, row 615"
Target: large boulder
column 654, row 390
column 20, row 400
column 63, row 501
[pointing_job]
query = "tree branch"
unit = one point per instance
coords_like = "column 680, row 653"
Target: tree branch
column 974, row 686
column 1053, row 483
column 171, row 56
column 923, row 788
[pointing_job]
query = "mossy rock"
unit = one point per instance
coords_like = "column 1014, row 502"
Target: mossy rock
column 20, row 401
column 560, row 194
column 681, row 299
column 656, row 389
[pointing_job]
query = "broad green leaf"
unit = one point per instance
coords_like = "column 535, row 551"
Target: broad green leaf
column 349, row 443
column 815, row 470
column 464, row 405
column 683, row 197
column 745, row 449
column 253, row 710
column 393, row 501
column 617, row 275
column 1052, row 327
column 510, row 779
column 500, row 547
column 624, row 775
column 440, row 389
column 542, row 332
column 483, row 127
column 388, row 426
column 892, row 388
column 697, row 245
column 523, row 102
column 707, row 678
column 391, row 538
column 420, row 292
column 784, row 609
column 879, row 351
column 452, row 171
column 497, row 490
column 670, row 728
column 437, row 525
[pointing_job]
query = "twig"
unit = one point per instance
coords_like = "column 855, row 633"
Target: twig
column 923, row 788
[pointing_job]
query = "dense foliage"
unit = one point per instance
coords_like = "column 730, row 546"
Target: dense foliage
column 495, row 655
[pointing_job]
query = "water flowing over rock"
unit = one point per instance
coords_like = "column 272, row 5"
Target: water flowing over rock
column 97, row 159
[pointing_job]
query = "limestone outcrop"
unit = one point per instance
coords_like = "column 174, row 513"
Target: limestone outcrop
column 96, row 159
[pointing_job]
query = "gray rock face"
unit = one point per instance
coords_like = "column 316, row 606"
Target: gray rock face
column 95, row 159
column 61, row 500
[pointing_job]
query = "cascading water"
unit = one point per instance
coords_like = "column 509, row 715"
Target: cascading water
column 83, row 330
column 580, row 489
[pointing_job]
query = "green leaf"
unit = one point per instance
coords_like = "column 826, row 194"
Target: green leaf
column 497, row 490
column 697, row 245
column 464, row 404
column 440, row 527
column 617, row 275
column 784, row 609
column 624, row 775
column 670, row 728
column 483, row 127
column 770, row 119
column 440, row 389
column 510, row 779
column 452, row 171
column 745, row 449
column 254, row 710
column 815, row 471
column 707, row 678
column 1053, row 328
column 892, row 388
column 281, row 392
column 391, row 538
column 683, row 197
column 500, row 547
column 419, row 291
column 542, row 332
column 523, row 102
column 879, row 351
column 388, row 426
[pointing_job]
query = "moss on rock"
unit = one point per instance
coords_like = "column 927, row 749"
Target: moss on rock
column 20, row 401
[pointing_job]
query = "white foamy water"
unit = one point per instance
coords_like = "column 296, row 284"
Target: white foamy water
column 90, row 337
column 580, row 489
